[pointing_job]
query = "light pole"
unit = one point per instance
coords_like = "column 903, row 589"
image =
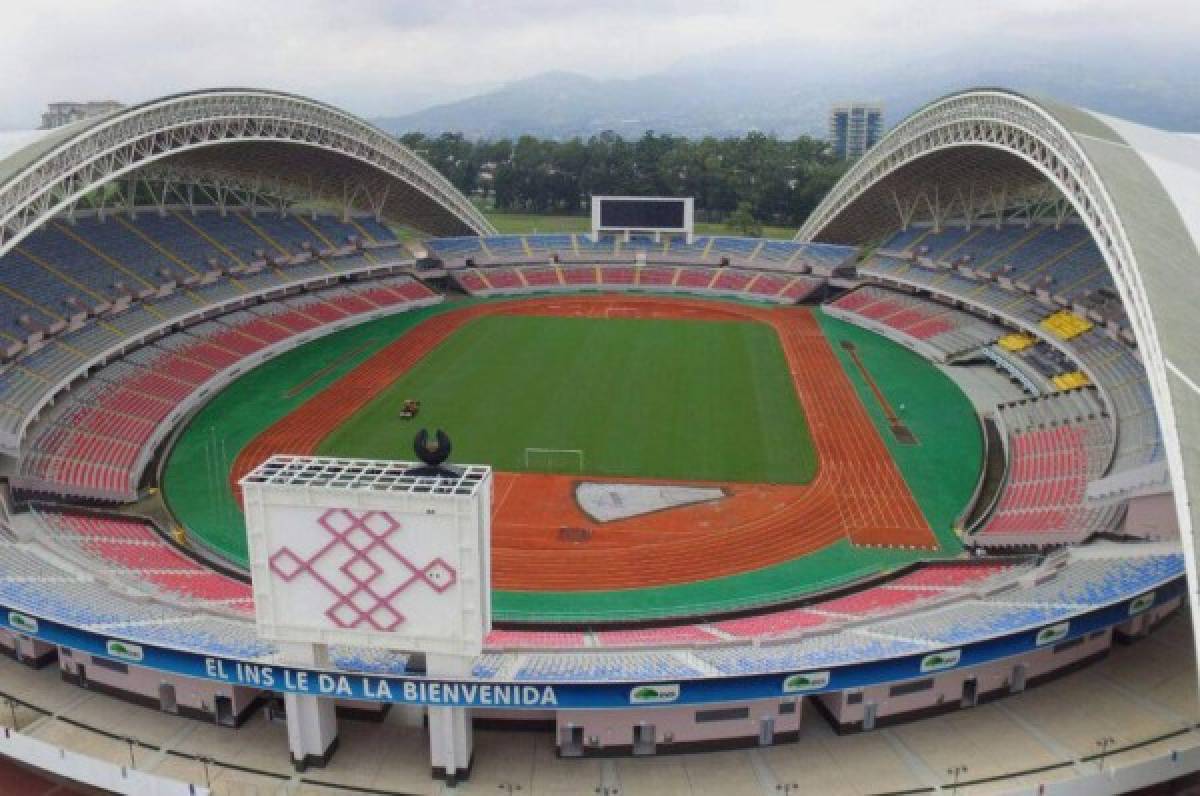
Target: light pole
column 786, row 788
column 132, row 762
column 206, row 761
column 1104, row 743
column 956, row 772
column 12, row 707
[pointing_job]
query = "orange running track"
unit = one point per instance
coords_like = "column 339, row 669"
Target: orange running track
column 858, row 492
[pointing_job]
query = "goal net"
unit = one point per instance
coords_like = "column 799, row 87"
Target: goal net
column 554, row 460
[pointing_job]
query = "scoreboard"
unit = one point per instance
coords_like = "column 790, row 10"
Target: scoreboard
column 642, row 215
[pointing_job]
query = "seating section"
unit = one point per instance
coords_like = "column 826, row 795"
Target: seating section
column 773, row 624
column 103, row 434
column 597, row 666
column 679, row 634
column 1061, row 264
column 945, row 330
column 534, row 639
column 975, row 574
column 1066, row 324
column 134, row 549
column 923, row 586
column 1056, row 445
column 64, row 574
column 752, row 253
column 1103, row 353
column 81, row 291
column 76, row 291
column 523, row 279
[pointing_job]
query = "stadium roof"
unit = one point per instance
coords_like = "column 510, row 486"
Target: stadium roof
column 251, row 135
column 1136, row 188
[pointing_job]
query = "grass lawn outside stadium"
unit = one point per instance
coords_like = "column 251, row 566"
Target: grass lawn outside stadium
column 688, row 399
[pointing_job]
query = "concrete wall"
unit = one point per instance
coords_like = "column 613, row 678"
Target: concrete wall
column 677, row 728
column 1152, row 516
column 194, row 697
column 108, row 777
column 25, row 649
column 846, row 709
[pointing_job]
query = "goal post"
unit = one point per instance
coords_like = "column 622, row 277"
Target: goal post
column 554, row 460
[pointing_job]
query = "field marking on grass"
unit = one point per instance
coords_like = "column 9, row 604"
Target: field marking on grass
column 901, row 432
column 317, row 375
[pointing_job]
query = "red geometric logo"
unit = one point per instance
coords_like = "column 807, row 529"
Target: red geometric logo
column 360, row 553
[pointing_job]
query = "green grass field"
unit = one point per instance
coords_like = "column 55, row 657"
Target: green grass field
column 692, row 400
column 941, row 470
column 196, row 475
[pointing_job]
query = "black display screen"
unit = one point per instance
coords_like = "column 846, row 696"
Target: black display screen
column 641, row 213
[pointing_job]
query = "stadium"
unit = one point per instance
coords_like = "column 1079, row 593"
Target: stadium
column 824, row 499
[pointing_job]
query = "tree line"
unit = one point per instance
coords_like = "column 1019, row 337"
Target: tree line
column 752, row 179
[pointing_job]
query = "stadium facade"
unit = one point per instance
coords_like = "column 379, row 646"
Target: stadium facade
column 973, row 159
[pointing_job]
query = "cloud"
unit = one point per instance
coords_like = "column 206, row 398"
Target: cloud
column 377, row 57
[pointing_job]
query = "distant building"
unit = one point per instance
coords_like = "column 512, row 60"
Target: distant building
column 59, row 113
column 854, row 128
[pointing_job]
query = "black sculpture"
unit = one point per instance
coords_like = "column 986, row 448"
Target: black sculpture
column 433, row 451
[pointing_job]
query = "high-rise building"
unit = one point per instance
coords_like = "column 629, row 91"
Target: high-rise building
column 59, row 113
column 855, row 127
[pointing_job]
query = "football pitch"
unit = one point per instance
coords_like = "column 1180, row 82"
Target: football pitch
column 673, row 399
column 722, row 390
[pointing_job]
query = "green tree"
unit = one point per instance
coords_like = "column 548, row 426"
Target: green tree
column 742, row 221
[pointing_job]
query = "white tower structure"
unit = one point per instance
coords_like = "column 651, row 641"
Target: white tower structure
column 375, row 554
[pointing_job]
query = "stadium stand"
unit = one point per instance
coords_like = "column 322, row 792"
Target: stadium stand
column 1101, row 353
column 1057, row 444
column 132, row 549
column 749, row 285
column 78, row 291
column 64, row 573
column 777, row 255
column 101, row 436
column 943, row 331
column 1062, row 265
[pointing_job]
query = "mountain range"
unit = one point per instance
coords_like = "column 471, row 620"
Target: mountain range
column 786, row 89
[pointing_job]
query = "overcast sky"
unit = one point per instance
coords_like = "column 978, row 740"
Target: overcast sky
column 378, row 58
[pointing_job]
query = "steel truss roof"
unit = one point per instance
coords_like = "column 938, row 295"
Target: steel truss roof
column 1135, row 189
column 243, row 131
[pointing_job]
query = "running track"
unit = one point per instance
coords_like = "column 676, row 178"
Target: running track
column 858, row 492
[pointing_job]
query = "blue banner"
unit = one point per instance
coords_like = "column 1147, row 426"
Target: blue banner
column 522, row 695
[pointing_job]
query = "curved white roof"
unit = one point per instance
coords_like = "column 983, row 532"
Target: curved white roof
column 247, row 133
column 1136, row 188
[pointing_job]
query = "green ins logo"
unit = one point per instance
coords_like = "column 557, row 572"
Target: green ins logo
column 1141, row 603
column 654, row 694
column 1049, row 635
column 808, row 681
column 936, row 661
column 123, row 649
column 26, row 624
